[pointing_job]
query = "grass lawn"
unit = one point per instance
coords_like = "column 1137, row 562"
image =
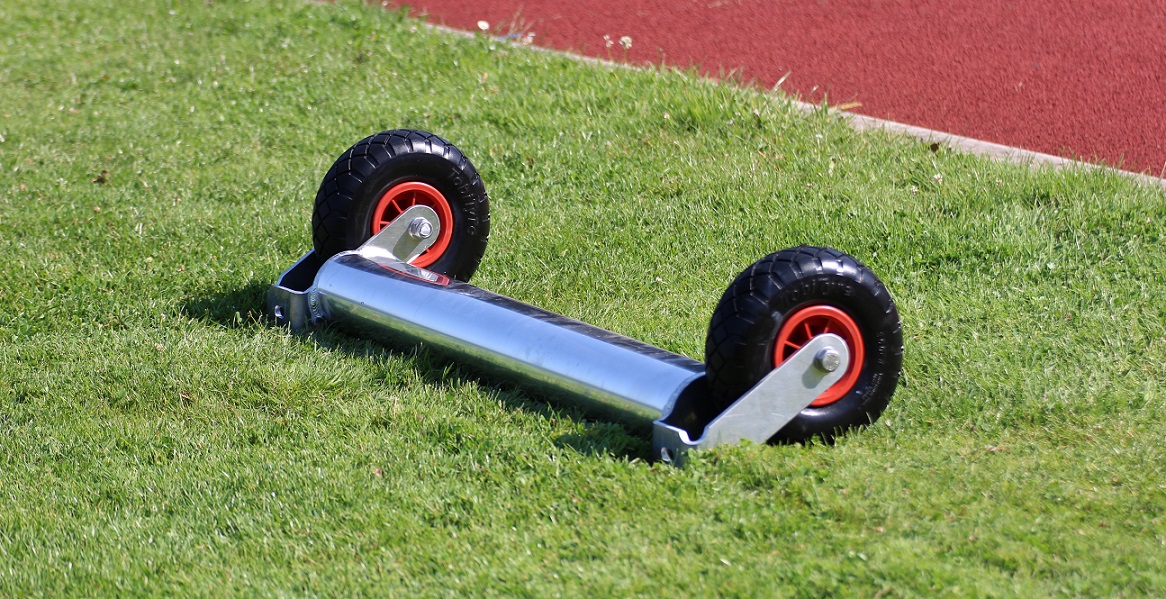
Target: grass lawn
column 158, row 163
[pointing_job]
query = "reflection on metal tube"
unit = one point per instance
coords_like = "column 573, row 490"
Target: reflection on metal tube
column 596, row 369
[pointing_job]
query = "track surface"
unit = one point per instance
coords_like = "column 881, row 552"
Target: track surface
column 1083, row 79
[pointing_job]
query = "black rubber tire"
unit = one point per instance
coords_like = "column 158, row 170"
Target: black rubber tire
column 740, row 344
column 342, row 219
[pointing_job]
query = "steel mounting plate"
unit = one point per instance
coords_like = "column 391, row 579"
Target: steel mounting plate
column 771, row 404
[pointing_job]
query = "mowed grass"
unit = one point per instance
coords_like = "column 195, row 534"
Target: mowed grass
column 158, row 163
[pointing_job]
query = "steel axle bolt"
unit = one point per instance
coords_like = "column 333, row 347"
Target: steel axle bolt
column 420, row 228
column 828, row 359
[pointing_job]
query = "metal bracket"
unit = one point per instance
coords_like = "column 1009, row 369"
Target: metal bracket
column 293, row 300
column 771, row 404
column 406, row 237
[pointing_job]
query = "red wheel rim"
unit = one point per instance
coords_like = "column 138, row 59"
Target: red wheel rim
column 803, row 325
column 403, row 196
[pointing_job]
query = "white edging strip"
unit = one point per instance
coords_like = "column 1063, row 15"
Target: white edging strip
column 859, row 122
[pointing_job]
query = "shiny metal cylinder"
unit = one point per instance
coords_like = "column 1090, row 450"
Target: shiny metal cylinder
column 569, row 360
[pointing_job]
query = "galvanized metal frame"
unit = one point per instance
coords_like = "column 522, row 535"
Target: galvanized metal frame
column 373, row 290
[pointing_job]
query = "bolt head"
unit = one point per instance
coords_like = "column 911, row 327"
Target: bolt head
column 828, row 359
column 420, row 228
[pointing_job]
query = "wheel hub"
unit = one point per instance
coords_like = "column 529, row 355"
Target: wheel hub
column 403, row 196
column 806, row 323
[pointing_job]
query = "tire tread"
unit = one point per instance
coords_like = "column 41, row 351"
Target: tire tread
column 735, row 350
column 338, row 194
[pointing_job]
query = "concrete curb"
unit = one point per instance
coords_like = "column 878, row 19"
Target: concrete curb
column 987, row 149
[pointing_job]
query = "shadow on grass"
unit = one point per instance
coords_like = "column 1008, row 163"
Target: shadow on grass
column 232, row 308
column 246, row 306
column 440, row 368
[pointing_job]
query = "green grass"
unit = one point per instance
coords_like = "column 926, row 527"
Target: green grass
column 157, row 436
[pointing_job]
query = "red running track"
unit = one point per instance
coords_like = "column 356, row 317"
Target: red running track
column 1083, row 79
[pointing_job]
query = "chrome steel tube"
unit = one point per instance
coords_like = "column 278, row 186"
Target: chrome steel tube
column 592, row 367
